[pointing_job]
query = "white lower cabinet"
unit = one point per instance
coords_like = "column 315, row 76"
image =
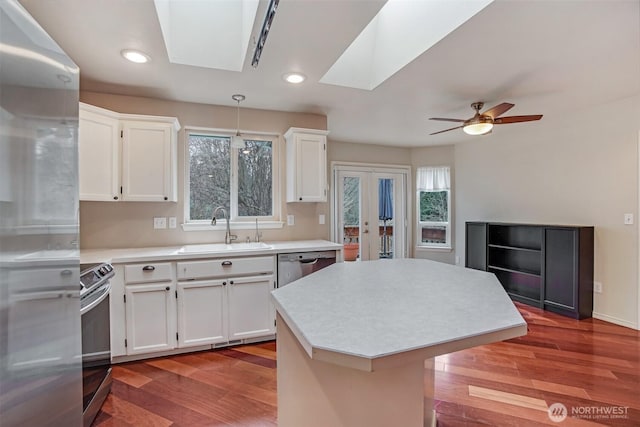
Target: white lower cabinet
column 172, row 305
column 150, row 318
column 201, row 313
column 223, row 300
column 251, row 313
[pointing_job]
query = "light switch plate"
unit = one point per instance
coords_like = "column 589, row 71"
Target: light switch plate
column 321, row 219
column 159, row 222
column 597, row 287
column 628, row 219
column 291, row 220
column 172, row 222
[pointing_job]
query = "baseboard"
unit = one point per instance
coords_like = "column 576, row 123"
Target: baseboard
column 615, row 320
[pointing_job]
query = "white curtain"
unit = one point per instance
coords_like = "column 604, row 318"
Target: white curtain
column 430, row 178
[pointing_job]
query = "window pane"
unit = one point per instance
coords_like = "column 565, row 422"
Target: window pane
column 255, row 179
column 210, row 171
column 434, row 234
column 434, row 206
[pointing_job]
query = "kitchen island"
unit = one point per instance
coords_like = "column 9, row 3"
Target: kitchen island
column 356, row 341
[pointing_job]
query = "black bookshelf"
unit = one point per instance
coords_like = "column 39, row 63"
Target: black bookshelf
column 547, row 266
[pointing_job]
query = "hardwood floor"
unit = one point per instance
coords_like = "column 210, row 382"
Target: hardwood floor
column 591, row 367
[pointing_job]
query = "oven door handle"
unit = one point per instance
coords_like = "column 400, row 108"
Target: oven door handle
column 105, row 293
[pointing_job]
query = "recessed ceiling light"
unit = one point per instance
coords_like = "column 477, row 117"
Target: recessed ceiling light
column 294, row 78
column 135, row 56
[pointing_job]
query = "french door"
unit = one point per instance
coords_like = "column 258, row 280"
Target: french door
column 370, row 212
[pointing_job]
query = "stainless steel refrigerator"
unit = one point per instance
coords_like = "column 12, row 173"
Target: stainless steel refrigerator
column 40, row 330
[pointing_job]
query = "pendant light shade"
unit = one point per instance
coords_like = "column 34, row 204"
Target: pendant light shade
column 236, row 140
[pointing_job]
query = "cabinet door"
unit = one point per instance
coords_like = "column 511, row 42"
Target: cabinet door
column 150, row 318
column 251, row 313
column 201, row 313
column 99, row 156
column 147, row 162
column 560, row 287
column 309, row 177
column 43, row 314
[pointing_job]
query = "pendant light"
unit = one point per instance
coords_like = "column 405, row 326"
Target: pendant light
column 236, row 140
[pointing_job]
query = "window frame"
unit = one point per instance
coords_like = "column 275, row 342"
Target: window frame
column 448, row 224
column 239, row 222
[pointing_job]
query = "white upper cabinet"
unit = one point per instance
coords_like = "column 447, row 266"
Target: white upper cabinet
column 127, row 157
column 306, row 165
column 148, row 161
column 99, row 154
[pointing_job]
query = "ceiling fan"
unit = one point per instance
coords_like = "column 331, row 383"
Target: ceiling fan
column 482, row 123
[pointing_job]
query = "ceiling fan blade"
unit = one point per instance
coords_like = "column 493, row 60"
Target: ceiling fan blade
column 446, row 130
column 516, row 119
column 446, row 120
column 498, row 110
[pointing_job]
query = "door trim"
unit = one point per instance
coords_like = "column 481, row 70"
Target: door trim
column 376, row 168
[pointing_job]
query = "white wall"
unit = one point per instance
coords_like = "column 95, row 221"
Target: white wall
column 580, row 169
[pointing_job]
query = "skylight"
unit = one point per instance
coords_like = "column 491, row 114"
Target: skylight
column 212, row 34
column 400, row 32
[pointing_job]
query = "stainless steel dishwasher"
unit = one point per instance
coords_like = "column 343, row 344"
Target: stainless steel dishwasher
column 296, row 265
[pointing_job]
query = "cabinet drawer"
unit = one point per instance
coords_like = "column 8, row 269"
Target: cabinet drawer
column 149, row 272
column 225, row 267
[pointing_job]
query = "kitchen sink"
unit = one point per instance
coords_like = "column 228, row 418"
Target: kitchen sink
column 222, row 247
column 240, row 246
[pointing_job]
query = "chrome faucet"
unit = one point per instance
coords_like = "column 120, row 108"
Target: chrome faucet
column 258, row 234
column 228, row 237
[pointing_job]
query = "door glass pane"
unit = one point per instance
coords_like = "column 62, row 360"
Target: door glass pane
column 385, row 217
column 351, row 217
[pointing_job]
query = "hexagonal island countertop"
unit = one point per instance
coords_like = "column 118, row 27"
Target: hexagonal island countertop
column 374, row 314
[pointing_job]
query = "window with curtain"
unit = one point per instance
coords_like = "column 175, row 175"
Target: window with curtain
column 433, row 185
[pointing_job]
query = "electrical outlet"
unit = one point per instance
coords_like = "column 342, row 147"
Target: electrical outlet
column 597, row 287
column 457, row 259
column 628, row 219
column 321, row 219
column 291, row 220
column 172, row 222
column 159, row 222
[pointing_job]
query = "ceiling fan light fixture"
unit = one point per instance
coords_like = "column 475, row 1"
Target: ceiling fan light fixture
column 478, row 126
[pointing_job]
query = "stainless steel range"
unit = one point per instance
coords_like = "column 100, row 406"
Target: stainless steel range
column 96, row 346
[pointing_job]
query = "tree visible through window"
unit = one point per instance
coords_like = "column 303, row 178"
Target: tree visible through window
column 255, row 186
column 241, row 181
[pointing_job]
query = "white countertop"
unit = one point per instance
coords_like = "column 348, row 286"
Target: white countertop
column 199, row 251
column 358, row 313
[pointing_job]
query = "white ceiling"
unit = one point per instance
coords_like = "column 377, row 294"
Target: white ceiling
column 547, row 57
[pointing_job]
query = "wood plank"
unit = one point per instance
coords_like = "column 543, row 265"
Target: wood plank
column 132, row 414
column 257, row 351
column 130, row 377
